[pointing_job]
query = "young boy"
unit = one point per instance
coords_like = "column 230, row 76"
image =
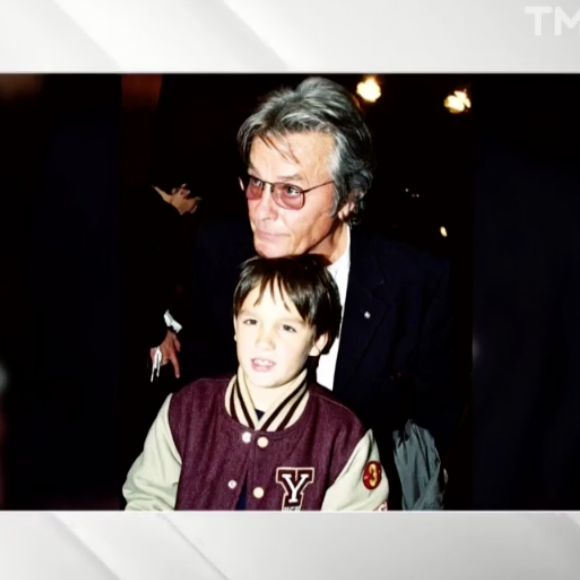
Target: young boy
column 268, row 438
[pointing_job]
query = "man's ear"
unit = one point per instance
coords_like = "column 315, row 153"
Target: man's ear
column 319, row 345
column 346, row 210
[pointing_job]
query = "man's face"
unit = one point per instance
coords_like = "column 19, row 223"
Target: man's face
column 273, row 342
column 303, row 160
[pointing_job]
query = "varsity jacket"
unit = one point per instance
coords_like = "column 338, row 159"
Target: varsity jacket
column 207, row 447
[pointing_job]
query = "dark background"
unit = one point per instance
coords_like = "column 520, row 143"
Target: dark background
column 60, row 309
column 526, row 289
column 75, row 153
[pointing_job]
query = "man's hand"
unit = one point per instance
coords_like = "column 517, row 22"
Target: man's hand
column 169, row 349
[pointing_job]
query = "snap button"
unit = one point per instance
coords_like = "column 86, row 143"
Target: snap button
column 258, row 492
column 232, row 484
column 263, row 442
column 247, row 437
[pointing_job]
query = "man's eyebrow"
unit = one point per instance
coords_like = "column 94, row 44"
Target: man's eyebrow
column 280, row 178
column 295, row 177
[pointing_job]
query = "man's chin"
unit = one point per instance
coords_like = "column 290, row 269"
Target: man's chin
column 269, row 250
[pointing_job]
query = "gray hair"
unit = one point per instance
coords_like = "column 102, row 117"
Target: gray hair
column 320, row 105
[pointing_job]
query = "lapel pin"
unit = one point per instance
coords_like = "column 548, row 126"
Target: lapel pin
column 367, row 314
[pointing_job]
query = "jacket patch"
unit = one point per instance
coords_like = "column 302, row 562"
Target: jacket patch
column 294, row 480
column 372, row 474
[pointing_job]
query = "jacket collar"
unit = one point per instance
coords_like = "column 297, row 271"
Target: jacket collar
column 283, row 413
column 366, row 307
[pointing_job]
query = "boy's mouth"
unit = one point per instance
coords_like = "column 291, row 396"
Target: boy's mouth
column 262, row 364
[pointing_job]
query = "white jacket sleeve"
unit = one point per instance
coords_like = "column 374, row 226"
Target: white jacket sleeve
column 152, row 481
column 362, row 484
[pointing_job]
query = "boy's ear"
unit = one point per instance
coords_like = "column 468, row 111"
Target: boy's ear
column 235, row 329
column 319, row 345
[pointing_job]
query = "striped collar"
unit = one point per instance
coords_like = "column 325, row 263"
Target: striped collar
column 283, row 413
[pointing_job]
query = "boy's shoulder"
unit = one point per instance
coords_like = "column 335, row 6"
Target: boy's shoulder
column 334, row 410
column 200, row 399
column 201, row 389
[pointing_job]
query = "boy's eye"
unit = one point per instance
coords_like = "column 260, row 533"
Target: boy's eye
column 250, row 321
column 288, row 328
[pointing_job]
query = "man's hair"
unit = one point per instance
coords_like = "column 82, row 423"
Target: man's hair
column 305, row 280
column 319, row 105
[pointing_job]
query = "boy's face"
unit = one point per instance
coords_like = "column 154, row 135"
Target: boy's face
column 273, row 341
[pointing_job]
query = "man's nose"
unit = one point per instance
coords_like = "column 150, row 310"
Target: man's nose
column 266, row 207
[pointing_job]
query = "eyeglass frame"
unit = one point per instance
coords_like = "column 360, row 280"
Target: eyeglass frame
column 272, row 185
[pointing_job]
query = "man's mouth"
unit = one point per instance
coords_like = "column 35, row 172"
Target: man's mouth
column 267, row 235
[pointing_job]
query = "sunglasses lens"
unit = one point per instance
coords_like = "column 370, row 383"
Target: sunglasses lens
column 286, row 196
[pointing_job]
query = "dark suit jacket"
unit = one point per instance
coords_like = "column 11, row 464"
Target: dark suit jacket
column 407, row 339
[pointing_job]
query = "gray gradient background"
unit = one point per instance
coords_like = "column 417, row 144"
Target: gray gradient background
column 267, row 36
column 266, row 546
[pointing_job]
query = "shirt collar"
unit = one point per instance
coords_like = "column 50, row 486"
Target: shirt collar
column 344, row 260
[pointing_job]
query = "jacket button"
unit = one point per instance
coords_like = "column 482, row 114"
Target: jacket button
column 258, row 492
column 263, row 442
column 247, row 437
column 232, row 484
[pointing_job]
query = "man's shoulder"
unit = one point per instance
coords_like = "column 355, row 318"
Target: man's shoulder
column 398, row 259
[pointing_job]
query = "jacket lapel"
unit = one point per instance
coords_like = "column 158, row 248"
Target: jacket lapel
column 364, row 309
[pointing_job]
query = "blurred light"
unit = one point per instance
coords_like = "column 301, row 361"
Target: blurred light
column 3, row 379
column 462, row 95
column 443, row 231
column 16, row 86
column 458, row 102
column 369, row 89
column 475, row 350
column 141, row 91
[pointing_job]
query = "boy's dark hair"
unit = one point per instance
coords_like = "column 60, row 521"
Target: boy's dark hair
column 305, row 280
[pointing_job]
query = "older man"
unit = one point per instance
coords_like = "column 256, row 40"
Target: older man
column 309, row 162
